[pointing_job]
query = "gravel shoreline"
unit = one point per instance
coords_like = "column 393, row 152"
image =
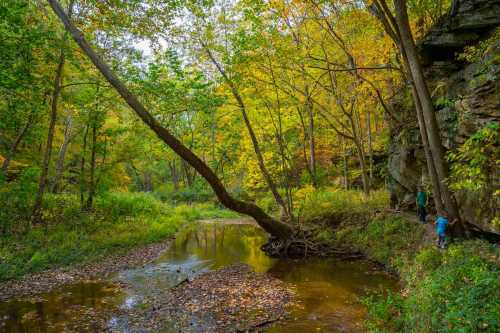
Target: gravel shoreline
column 230, row 299
column 37, row 283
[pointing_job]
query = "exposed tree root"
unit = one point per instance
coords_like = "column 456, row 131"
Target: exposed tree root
column 302, row 244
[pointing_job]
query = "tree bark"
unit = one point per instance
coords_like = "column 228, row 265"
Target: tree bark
column 15, row 144
column 370, row 144
column 304, row 143
column 381, row 11
column 345, row 166
column 82, row 168
column 36, row 215
column 265, row 173
column 62, row 155
column 269, row 224
column 429, row 116
column 174, row 174
column 436, row 192
column 93, row 152
column 312, row 144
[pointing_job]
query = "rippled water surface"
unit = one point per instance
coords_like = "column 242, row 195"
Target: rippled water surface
column 327, row 290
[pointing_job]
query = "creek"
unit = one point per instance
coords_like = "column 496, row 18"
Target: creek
column 328, row 290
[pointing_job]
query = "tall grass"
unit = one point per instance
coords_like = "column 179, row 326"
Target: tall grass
column 312, row 203
column 119, row 222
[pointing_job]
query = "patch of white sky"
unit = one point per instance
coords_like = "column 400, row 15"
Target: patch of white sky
column 183, row 22
column 165, row 41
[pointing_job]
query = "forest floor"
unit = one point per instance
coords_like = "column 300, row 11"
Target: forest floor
column 36, row 283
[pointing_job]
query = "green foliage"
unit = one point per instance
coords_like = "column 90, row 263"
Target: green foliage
column 120, row 221
column 16, row 198
column 384, row 312
column 474, row 163
column 388, row 240
column 452, row 291
column 476, row 53
column 197, row 193
column 460, row 294
column 312, row 203
column 117, row 204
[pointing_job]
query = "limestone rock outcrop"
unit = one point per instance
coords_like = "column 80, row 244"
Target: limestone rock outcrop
column 466, row 95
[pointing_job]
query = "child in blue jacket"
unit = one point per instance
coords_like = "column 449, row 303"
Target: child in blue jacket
column 441, row 224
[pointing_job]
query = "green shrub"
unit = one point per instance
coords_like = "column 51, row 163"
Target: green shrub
column 455, row 291
column 268, row 203
column 129, row 204
column 194, row 194
column 120, row 221
column 388, row 240
column 312, row 203
column 17, row 199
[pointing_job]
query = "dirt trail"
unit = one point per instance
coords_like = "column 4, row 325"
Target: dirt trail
column 429, row 237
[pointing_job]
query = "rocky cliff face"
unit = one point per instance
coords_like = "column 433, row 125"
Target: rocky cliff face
column 466, row 95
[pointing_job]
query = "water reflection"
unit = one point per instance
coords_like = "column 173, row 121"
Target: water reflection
column 220, row 245
column 328, row 290
column 74, row 307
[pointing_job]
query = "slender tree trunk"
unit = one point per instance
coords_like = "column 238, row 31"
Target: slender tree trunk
column 370, row 144
column 93, row 152
column 188, row 176
column 361, row 157
column 265, row 173
column 312, row 144
column 431, row 124
column 15, row 144
column 362, row 165
column 36, row 215
column 271, row 225
column 62, row 155
column 148, row 182
column 345, row 165
column 174, row 174
column 304, row 144
column 436, row 192
column 82, row 167
column 383, row 14
column 346, row 172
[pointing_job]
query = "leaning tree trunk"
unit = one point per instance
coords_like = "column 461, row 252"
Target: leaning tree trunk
column 271, row 225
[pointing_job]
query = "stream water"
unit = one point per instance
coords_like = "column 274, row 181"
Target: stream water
column 328, row 290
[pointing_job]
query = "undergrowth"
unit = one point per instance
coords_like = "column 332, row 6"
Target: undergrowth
column 452, row 290
column 119, row 222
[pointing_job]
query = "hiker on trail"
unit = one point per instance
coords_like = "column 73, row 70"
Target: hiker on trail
column 441, row 224
column 421, row 203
